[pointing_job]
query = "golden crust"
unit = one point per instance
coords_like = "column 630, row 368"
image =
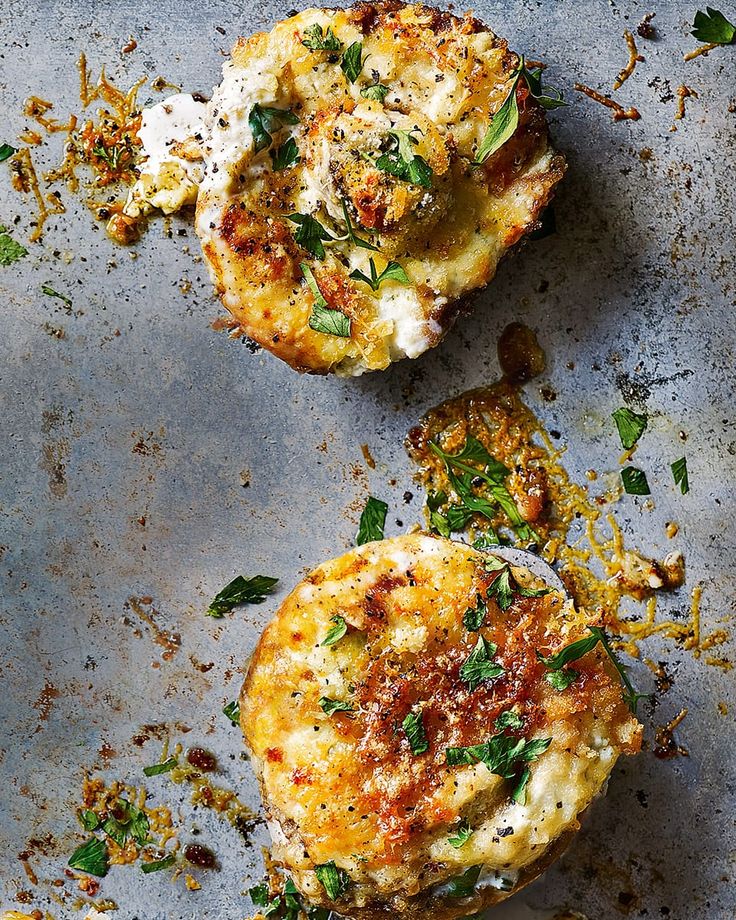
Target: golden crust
column 446, row 77
column 347, row 787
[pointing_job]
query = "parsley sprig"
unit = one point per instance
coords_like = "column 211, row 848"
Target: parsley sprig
column 335, row 880
column 493, row 473
column 505, row 756
column 393, row 271
column 264, row 120
column 316, row 39
column 287, row 905
column 310, row 234
column 505, row 121
column 631, row 425
column 92, row 856
column 480, row 665
column 413, row 726
column 581, row 647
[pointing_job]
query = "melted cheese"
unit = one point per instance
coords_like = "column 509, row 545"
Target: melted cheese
column 445, row 78
column 346, row 787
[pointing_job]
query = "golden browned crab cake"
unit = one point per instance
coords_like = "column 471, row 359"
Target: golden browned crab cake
column 341, row 213
column 415, row 756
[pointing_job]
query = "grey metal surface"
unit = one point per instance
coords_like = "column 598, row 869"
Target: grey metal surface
column 635, row 294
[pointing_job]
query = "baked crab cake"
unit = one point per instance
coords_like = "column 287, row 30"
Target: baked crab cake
column 366, row 169
column 422, row 746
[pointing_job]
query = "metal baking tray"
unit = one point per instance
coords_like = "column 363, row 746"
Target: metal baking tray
column 144, row 455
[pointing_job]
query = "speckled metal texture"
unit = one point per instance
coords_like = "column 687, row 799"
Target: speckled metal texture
column 146, row 456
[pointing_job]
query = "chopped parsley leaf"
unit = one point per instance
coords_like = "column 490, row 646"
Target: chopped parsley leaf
column 335, row 881
column 480, row 665
column 518, row 793
column 393, row 271
column 561, row 680
column 635, row 481
column 463, row 833
column 679, row 473
column 401, row 161
column 316, row 39
column 474, row 616
column 91, row 857
column 323, row 318
column 414, row 730
column 463, row 886
column 502, row 754
column 372, row 521
column 89, row 820
column 508, row 719
column 546, row 96
column 259, row 894
column 241, row 590
column 7, row 151
column 126, row 820
column 232, row 711
column 505, row 587
column 336, row 632
column 713, row 28
column 376, row 91
column 286, row 155
column 263, row 120
column 631, row 425
column 332, row 706
column 10, row 251
column 158, row 768
column 159, row 864
column 352, row 61
column 50, row 292
column 310, row 234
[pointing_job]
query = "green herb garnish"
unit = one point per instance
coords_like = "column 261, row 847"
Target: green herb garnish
column 372, row 521
column 352, row 61
column 264, row 120
column 89, row 820
column 493, row 474
column 414, row 730
column 508, row 719
column 259, row 894
column 7, row 151
column 10, row 251
column 580, row 647
column 241, row 590
column 50, row 292
column 91, row 857
column 232, row 711
column 401, row 161
column 158, row 864
column 635, row 481
column 336, row 632
column 502, row 754
column 505, row 587
column 464, row 885
column 310, row 234
column 316, row 39
column 158, row 768
column 480, row 665
column 351, row 235
column 679, row 473
column 126, row 820
column 323, row 318
column 335, row 881
column 713, row 28
column 393, row 271
column 376, row 91
column 474, row 616
column 463, row 833
column 561, row 680
column 546, row 96
column 332, row 706
column 631, row 426
column 286, row 155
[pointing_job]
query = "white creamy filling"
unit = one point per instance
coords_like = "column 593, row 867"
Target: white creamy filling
column 168, row 179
